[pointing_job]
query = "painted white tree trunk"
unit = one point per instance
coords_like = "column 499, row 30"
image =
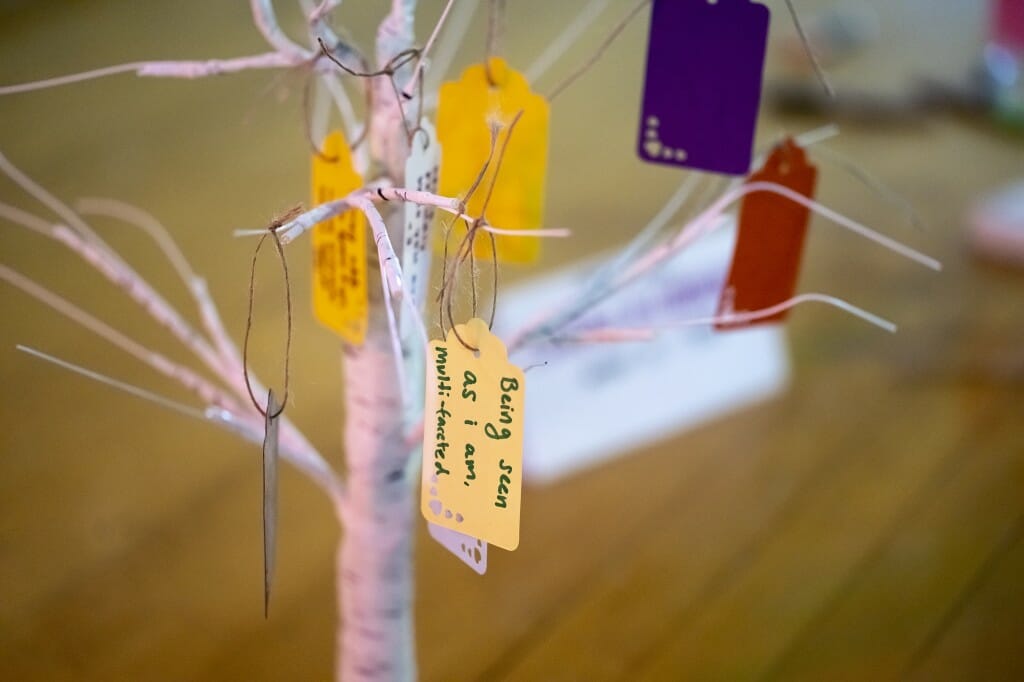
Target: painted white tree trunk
column 375, row 562
column 375, row 568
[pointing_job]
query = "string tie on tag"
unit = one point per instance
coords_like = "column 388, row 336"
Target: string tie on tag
column 389, row 69
column 272, row 233
column 495, row 31
column 465, row 249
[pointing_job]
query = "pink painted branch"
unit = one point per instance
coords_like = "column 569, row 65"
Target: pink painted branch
column 220, row 407
column 306, row 456
column 599, row 286
column 62, row 210
column 386, row 251
column 164, row 69
column 292, row 230
column 709, row 220
column 620, row 335
column 264, row 17
column 142, row 220
column 206, row 391
column 410, row 88
column 286, row 54
column 231, row 367
column 214, row 415
column 25, row 219
column 702, row 224
column 196, row 286
column 322, row 9
column 143, row 294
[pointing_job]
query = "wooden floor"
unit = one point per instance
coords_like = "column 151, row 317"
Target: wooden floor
column 868, row 524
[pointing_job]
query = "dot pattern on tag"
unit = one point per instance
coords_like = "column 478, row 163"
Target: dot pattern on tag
column 653, row 145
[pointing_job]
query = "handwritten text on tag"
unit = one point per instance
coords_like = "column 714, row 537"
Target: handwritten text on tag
column 473, row 437
column 340, row 299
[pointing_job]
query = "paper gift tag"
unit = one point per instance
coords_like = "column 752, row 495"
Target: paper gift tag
column 465, row 111
column 271, row 431
column 421, row 173
column 702, row 87
column 473, row 437
column 770, row 238
column 471, row 551
column 340, row 299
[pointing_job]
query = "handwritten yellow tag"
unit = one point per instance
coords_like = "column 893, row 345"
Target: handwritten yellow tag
column 473, row 437
column 466, row 108
column 340, row 298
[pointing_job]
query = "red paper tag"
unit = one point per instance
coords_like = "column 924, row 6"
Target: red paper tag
column 770, row 238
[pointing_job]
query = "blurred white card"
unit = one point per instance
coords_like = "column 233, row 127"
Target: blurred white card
column 592, row 402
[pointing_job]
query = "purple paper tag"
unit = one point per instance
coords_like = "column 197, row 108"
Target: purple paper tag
column 705, row 60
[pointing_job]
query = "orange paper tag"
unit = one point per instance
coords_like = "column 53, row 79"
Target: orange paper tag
column 340, row 299
column 473, row 437
column 466, row 108
column 770, row 238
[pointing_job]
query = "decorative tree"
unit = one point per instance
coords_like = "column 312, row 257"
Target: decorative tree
column 385, row 362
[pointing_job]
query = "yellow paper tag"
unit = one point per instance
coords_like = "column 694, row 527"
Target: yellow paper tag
column 340, row 298
column 473, row 437
column 465, row 111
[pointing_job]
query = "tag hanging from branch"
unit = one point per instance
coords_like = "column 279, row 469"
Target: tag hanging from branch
column 469, row 550
column 473, row 437
column 770, row 239
column 467, row 108
column 340, row 294
column 421, row 174
column 273, row 410
column 270, row 457
column 702, row 89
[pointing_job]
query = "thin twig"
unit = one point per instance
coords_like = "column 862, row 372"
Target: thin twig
column 599, row 52
column 417, row 73
column 164, row 69
column 204, row 390
column 457, row 28
column 569, row 35
column 818, row 70
column 131, row 389
column 618, row 335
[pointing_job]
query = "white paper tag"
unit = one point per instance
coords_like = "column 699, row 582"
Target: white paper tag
column 420, row 174
column 471, row 551
column 627, row 387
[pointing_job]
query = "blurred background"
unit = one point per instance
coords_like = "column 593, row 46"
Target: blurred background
column 864, row 524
